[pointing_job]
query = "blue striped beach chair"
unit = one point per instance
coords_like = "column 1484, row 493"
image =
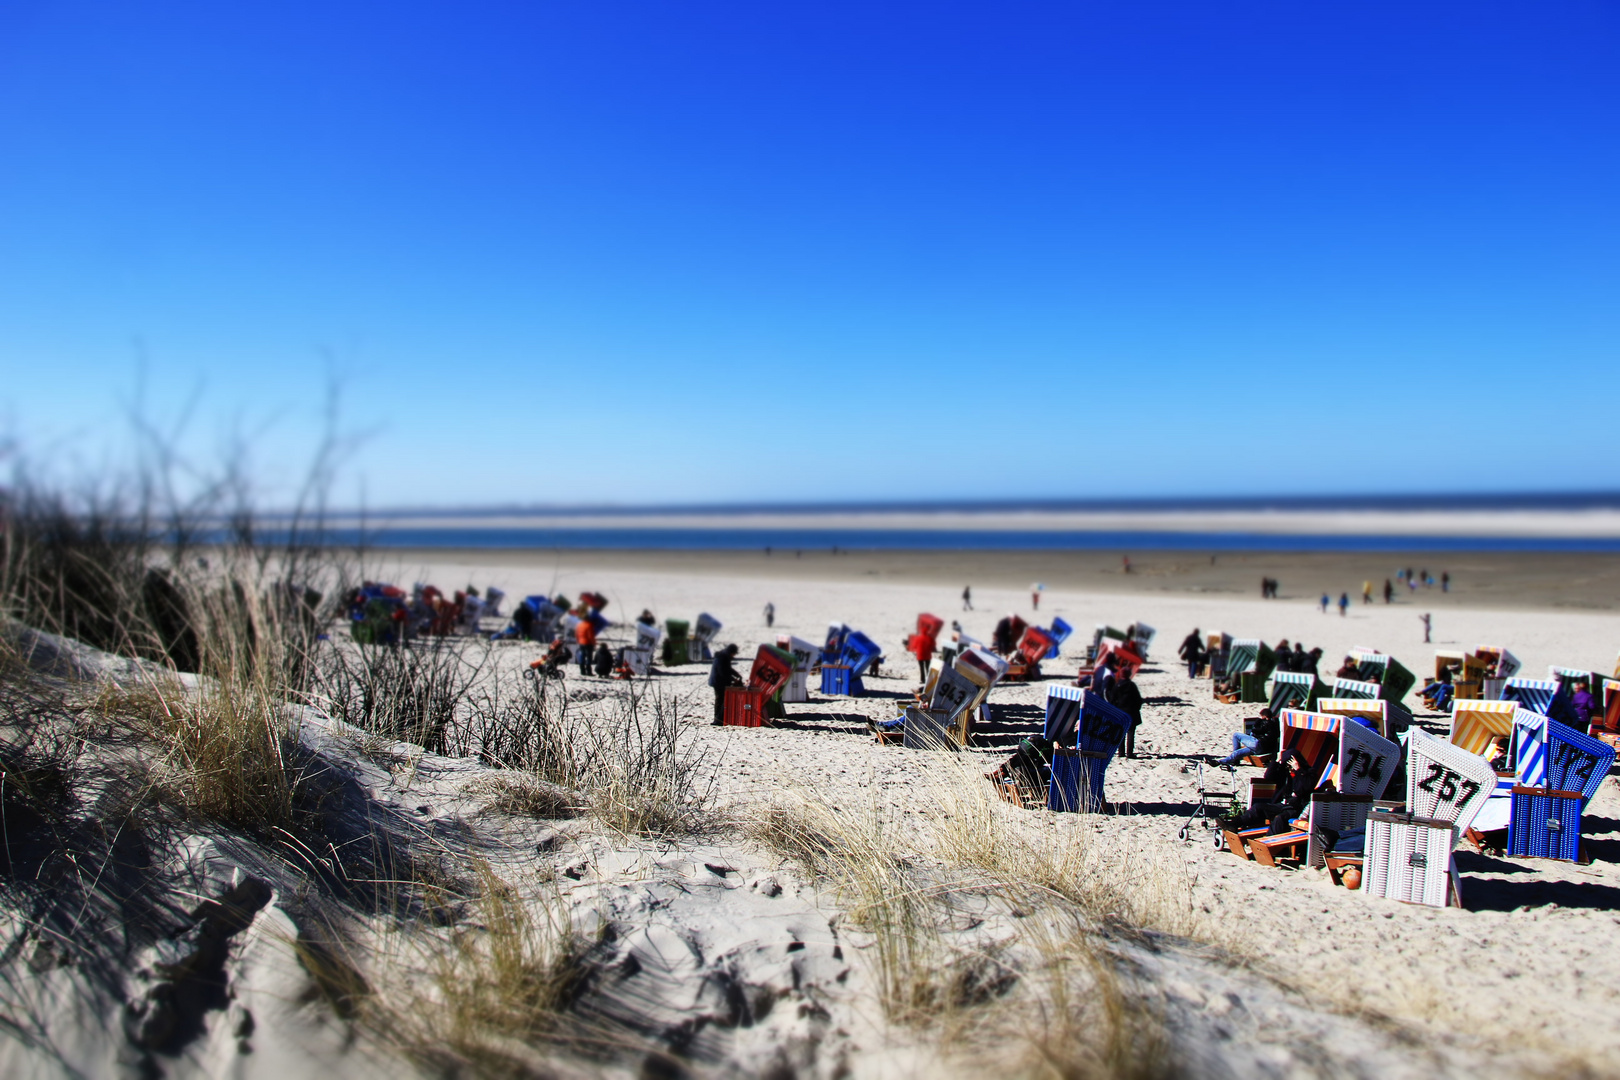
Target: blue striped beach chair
column 1085, row 731
column 1559, row 771
column 1545, row 696
column 1059, row 633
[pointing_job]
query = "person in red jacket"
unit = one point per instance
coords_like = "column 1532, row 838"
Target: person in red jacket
column 922, row 647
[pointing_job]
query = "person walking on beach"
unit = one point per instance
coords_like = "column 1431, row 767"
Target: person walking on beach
column 721, row 676
column 1326, row 600
column 1389, row 591
column 1035, row 595
column 1366, row 592
column 770, row 614
column 1427, row 625
column 967, row 598
column 1445, row 581
column 1192, row 651
column 1344, row 603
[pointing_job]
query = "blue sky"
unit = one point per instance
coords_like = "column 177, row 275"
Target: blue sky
column 705, row 252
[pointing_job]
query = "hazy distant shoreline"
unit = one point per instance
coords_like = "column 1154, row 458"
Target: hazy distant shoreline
column 1581, row 529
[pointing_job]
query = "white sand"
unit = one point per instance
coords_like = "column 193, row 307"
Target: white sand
column 1534, row 959
column 719, row 939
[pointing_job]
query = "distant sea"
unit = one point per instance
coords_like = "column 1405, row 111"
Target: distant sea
column 855, row 539
column 824, row 526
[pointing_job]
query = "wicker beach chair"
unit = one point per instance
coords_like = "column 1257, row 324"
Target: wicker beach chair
column 1388, row 718
column 1393, row 680
column 1295, row 689
column 1085, row 732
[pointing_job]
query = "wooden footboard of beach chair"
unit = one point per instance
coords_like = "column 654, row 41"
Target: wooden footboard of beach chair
column 1289, row 845
column 1237, row 841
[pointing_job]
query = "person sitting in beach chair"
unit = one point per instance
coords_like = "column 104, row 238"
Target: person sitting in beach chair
column 1350, row 669
column 1294, row 785
column 1438, row 694
column 1259, row 739
column 1029, row 769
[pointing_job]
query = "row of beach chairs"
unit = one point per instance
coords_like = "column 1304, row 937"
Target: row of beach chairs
column 1404, row 849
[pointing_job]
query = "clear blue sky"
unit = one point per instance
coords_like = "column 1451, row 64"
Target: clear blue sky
column 696, row 252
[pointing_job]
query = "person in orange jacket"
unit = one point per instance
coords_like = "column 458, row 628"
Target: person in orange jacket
column 585, row 634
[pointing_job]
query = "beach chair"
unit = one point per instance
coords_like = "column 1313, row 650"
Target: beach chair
column 927, row 729
column 1295, row 689
column 1546, row 824
column 983, row 669
column 1356, row 689
column 1506, row 665
column 1484, row 728
column 1142, row 634
column 1387, row 718
column 951, row 694
column 1342, row 813
column 1559, row 770
column 1085, row 731
column 744, row 707
column 1409, row 858
column 1032, row 648
column 1393, row 680
column 833, row 647
column 1545, row 696
column 771, row 670
column 805, row 655
column 1314, row 736
column 1607, row 728
column 677, row 645
column 1251, row 661
column 1554, row 756
column 1444, row 782
column 1059, row 633
column 703, row 631
column 1365, row 762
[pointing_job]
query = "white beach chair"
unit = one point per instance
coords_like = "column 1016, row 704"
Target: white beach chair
column 806, row 654
column 1444, row 782
column 1409, row 858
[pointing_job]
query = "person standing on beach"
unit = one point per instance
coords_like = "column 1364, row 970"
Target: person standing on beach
column 1326, row 600
column 1445, row 581
column 1035, row 595
column 1389, row 591
column 770, row 614
column 1427, row 626
column 585, row 636
column 1366, row 592
column 967, row 598
column 1344, row 603
column 1128, row 698
column 721, row 676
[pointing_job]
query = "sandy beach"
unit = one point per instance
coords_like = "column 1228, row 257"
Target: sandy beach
column 1505, row 580
column 1526, row 964
column 748, row 943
